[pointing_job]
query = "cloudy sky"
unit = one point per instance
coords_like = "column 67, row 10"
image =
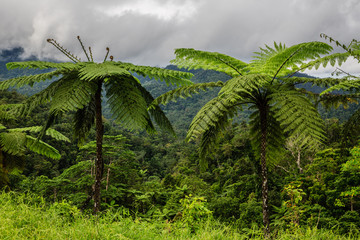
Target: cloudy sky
column 146, row 32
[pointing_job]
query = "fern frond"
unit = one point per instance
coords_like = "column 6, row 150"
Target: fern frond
column 128, row 107
column 35, row 100
column 348, row 85
column 336, row 100
column 28, row 80
column 333, row 59
column 245, row 84
column 72, row 94
column 66, row 66
column 83, row 120
column 41, row 147
column 209, row 123
column 353, row 48
column 156, row 113
column 298, row 117
column 6, row 113
column 13, row 142
column 212, row 118
column 2, row 127
column 281, row 61
column 183, row 92
column 321, row 82
column 195, row 59
column 93, row 71
column 168, row 76
column 36, row 129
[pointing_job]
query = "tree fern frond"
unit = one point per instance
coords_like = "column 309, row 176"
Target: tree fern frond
column 2, row 127
column 156, row 113
column 213, row 114
column 166, row 75
column 83, row 120
column 128, row 107
column 282, row 61
column 349, row 85
column 93, row 71
column 43, row 65
column 321, row 82
column 28, row 80
column 336, row 100
column 41, row 147
column 72, row 94
column 336, row 58
column 183, row 92
column 353, row 48
column 6, row 112
column 36, row 129
column 195, row 59
column 35, row 100
column 246, row 84
column 298, row 117
column 13, row 142
column 212, row 122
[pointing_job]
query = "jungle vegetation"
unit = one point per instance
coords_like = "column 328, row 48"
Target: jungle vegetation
column 261, row 150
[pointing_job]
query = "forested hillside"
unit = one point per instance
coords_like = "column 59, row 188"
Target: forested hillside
column 157, row 178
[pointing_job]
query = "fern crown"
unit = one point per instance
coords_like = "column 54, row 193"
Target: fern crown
column 264, row 85
column 75, row 83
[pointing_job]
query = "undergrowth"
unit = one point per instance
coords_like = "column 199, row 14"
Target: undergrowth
column 27, row 216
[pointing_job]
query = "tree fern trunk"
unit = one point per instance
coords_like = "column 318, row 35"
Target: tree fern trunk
column 99, row 163
column 264, row 174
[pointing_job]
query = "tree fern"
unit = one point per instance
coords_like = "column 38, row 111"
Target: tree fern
column 265, row 86
column 79, row 90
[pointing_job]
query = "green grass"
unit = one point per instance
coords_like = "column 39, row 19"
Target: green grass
column 30, row 217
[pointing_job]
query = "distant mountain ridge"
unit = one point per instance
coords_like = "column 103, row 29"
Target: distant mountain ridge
column 180, row 113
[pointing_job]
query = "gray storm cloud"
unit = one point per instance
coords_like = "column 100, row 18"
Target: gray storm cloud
column 147, row 31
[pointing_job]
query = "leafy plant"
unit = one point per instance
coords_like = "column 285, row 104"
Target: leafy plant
column 265, row 86
column 78, row 89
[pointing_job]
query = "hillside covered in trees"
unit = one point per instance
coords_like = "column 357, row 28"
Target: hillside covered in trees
column 158, row 183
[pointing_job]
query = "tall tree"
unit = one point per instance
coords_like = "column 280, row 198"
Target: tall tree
column 79, row 87
column 265, row 85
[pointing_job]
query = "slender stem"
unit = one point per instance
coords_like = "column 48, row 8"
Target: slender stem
column 107, row 53
column 82, row 45
column 91, row 55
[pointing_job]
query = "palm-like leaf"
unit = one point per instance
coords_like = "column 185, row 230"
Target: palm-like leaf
column 282, row 61
column 297, row 116
column 128, row 107
column 195, row 59
column 41, row 147
column 183, row 92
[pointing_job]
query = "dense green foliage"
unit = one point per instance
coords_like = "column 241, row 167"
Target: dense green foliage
column 30, row 217
column 153, row 187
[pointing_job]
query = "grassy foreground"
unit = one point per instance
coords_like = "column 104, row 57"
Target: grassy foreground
column 30, row 217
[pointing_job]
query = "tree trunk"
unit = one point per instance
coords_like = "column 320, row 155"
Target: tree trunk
column 298, row 161
column 264, row 173
column 108, row 177
column 99, row 162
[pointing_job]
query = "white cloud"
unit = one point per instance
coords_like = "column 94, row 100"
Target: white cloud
column 147, row 31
